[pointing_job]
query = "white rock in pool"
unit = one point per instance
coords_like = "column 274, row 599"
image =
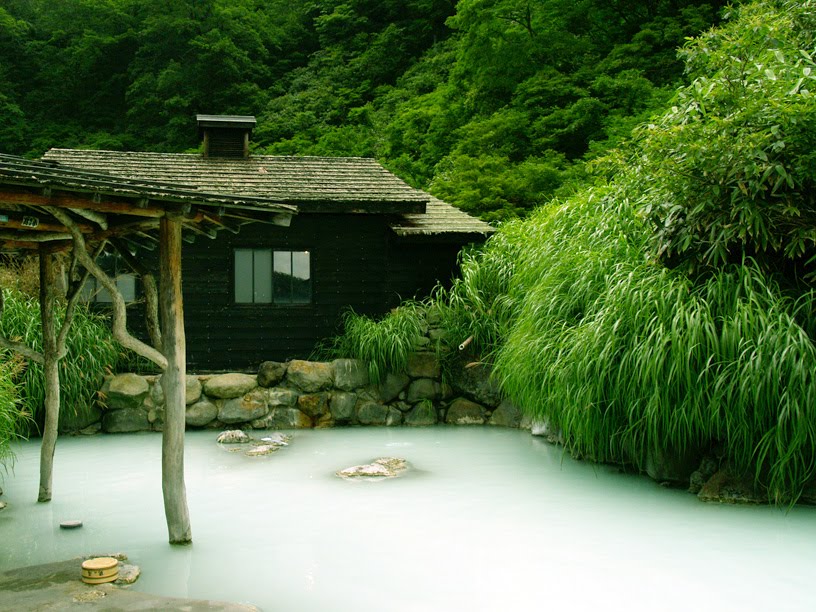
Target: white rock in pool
column 233, row 436
column 384, row 467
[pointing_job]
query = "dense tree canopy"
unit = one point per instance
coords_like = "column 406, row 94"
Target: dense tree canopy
column 491, row 104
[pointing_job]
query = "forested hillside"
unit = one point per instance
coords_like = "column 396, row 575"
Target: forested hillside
column 490, row 104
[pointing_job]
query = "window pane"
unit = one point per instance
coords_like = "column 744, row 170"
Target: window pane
column 243, row 276
column 89, row 290
column 283, row 277
column 126, row 283
column 262, row 275
column 301, row 278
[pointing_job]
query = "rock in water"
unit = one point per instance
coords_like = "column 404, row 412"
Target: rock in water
column 278, row 438
column 3, row 505
column 262, row 449
column 128, row 574
column 384, row 467
column 233, row 436
column 70, row 524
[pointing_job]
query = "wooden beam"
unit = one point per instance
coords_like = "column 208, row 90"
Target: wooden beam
column 173, row 383
column 280, row 219
column 62, row 200
column 216, row 220
column 33, row 236
column 48, row 316
column 91, row 215
column 19, row 221
column 17, row 245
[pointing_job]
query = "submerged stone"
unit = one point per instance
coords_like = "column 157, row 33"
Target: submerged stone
column 383, row 467
column 233, row 436
column 70, row 524
column 128, row 574
column 262, row 449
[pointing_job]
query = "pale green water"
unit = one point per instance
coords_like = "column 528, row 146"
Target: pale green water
column 492, row 519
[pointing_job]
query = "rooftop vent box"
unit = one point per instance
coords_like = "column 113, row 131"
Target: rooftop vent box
column 225, row 135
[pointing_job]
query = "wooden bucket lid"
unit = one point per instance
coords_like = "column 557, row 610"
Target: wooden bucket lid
column 100, row 563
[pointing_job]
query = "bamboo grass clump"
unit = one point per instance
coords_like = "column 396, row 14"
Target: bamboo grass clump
column 91, row 352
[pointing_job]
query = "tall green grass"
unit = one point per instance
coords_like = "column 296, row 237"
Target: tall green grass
column 625, row 355
column 383, row 344
column 91, row 352
column 13, row 418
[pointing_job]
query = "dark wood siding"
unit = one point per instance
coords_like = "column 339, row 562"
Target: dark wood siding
column 356, row 261
column 415, row 267
column 349, row 267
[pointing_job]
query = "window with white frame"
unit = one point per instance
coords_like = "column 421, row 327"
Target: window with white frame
column 269, row 276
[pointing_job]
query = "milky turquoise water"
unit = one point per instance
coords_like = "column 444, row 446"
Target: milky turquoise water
column 489, row 519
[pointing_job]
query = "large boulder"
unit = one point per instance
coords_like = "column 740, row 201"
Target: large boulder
column 475, row 383
column 349, row 374
column 201, row 413
column 229, row 386
column 277, row 398
column 393, row 384
column 423, row 365
column 271, row 373
column 283, row 418
column 192, row 390
column 247, row 408
column 670, row 466
column 422, row 414
column 729, row 486
column 372, row 413
column 506, row 415
column 423, row 389
column 71, row 421
column 126, row 391
column 394, row 417
column 341, row 406
column 464, row 412
column 125, row 420
column 310, row 376
column 313, row 404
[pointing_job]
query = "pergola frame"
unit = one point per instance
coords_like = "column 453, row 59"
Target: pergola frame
column 47, row 209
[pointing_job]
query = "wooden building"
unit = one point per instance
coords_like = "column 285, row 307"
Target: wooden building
column 361, row 238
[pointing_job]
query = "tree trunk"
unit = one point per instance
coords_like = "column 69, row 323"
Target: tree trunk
column 173, row 383
column 48, row 303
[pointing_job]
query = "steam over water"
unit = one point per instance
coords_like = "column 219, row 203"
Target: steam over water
column 487, row 519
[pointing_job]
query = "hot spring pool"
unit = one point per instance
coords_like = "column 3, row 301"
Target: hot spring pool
column 489, row 519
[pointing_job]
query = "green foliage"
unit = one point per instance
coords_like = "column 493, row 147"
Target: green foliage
column 14, row 420
column 730, row 169
column 385, row 344
column 91, row 352
column 492, row 104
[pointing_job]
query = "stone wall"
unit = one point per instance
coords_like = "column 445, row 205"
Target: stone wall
column 304, row 394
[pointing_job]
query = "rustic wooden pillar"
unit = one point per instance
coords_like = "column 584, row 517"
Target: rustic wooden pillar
column 173, row 382
column 48, row 306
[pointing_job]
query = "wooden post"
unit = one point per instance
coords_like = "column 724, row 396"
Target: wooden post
column 48, row 304
column 173, row 382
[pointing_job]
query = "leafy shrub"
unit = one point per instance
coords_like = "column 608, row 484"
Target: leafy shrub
column 14, row 420
column 730, row 168
column 385, row 344
column 91, row 352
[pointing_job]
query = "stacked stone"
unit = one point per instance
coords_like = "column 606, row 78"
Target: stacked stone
column 304, row 394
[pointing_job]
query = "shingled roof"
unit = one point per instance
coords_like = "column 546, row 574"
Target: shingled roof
column 440, row 219
column 313, row 184
column 116, row 207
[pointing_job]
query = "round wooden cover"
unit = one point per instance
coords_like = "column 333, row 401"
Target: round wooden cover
column 100, row 563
